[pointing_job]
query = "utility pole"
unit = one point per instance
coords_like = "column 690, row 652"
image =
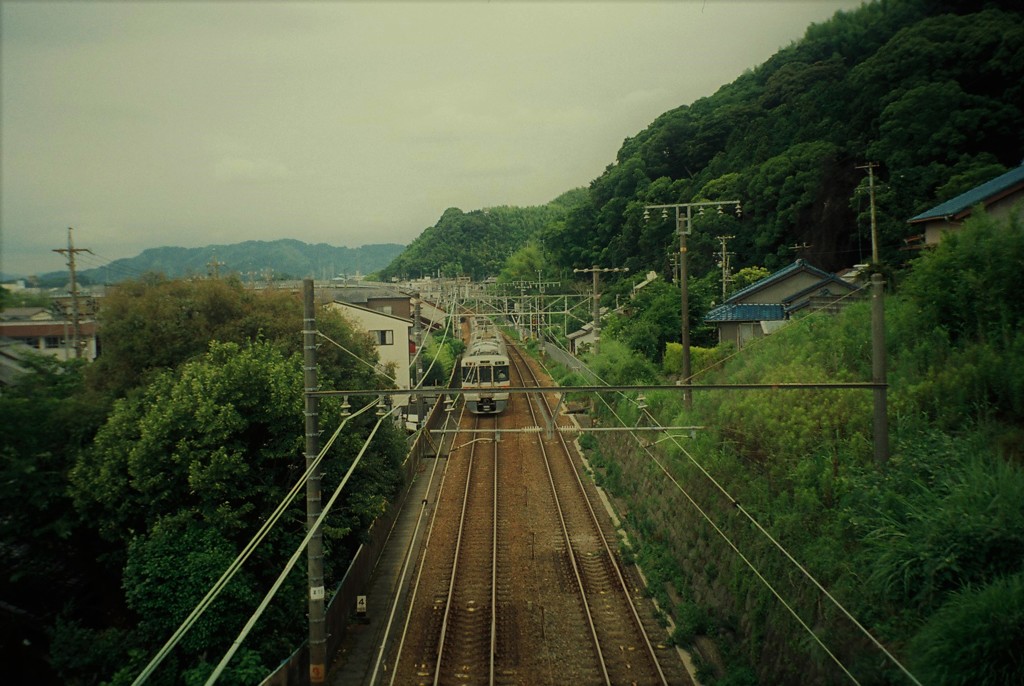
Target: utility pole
column 596, row 271
column 418, row 337
column 542, row 305
column 870, row 166
column 726, row 268
column 76, row 319
column 213, row 267
column 684, row 224
column 315, row 552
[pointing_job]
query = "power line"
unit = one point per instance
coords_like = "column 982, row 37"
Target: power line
column 776, row 543
column 296, row 555
column 236, row 565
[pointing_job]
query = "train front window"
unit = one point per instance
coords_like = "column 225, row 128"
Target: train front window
column 485, row 374
column 501, row 373
column 469, row 374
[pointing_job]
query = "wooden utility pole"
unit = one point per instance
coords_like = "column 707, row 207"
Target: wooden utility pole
column 76, row 317
column 315, row 551
column 596, row 271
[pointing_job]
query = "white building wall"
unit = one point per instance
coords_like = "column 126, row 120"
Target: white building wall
column 396, row 352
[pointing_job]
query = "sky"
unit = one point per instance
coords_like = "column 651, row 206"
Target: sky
column 194, row 123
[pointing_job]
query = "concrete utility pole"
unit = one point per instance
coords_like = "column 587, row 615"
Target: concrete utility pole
column 315, row 552
column 870, row 166
column 726, row 267
column 76, row 318
column 596, row 271
column 684, row 224
column 418, row 338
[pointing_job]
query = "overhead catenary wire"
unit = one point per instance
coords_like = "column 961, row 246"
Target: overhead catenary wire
column 236, row 565
column 775, row 542
column 297, row 554
column 405, row 566
column 229, row 573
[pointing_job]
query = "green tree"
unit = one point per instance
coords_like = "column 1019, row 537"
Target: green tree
column 651, row 319
column 48, row 550
column 525, row 264
column 186, row 471
column 155, row 324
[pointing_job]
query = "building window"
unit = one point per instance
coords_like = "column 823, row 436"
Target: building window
column 53, row 342
column 386, row 309
column 384, row 337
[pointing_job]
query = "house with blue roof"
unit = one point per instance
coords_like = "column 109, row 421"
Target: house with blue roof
column 766, row 305
column 998, row 196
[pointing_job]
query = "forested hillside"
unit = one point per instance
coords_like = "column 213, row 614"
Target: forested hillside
column 478, row 243
column 929, row 89
column 777, row 498
column 250, row 260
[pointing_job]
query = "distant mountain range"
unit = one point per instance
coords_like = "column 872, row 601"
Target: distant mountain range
column 251, row 260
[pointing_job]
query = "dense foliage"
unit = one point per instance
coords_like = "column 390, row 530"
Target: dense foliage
column 927, row 551
column 133, row 483
column 930, row 89
column 155, row 324
column 477, row 243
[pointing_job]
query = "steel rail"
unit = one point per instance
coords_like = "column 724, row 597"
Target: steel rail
column 568, row 539
column 419, row 574
column 638, row 622
column 455, row 564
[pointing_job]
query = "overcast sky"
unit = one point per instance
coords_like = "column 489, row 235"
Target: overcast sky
column 145, row 124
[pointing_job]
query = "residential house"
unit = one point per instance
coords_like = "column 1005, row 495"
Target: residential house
column 391, row 335
column 763, row 307
column 377, row 298
column 40, row 330
column 998, row 196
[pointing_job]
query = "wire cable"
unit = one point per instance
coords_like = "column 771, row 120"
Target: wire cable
column 298, row 552
column 371, row 366
column 760, row 528
column 236, row 565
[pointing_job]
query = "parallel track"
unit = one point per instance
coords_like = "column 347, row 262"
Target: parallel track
column 517, row 581
column 624, row 650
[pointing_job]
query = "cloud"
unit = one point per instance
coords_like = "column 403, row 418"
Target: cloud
column 244, row 169
column 146, row 124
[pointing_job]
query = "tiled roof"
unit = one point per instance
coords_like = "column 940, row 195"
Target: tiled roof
column 746, row 313
column 783, row 273
column 838, row 287
column 976, row 195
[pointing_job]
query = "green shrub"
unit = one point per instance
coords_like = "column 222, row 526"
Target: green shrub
column 975, row 637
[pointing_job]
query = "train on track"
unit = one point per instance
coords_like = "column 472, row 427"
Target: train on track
column 484, row 368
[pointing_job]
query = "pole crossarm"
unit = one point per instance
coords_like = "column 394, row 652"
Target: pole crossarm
column 684, row 225
column 845, row 385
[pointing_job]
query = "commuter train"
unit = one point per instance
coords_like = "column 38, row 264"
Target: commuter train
column 484, row 368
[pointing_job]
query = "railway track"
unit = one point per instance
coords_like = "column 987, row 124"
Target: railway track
column 517, row 582
column 622, row 646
